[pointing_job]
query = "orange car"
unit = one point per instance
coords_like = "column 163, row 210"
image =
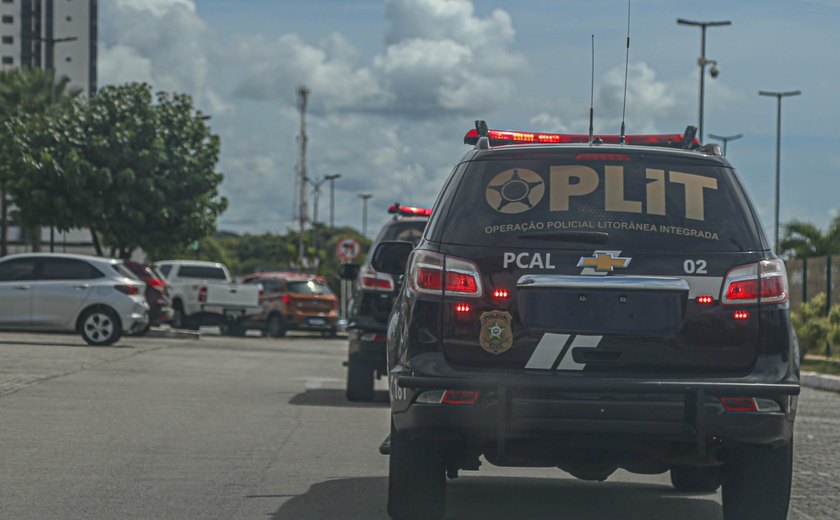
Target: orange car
column 294, row 301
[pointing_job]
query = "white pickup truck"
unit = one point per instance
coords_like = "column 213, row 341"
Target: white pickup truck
column 203, row 293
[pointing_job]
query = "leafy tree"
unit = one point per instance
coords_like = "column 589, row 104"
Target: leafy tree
column 802, row 239
column 24, row 91
column 141, row 173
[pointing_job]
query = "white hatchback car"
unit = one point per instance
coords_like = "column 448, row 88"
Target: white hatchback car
column 96, row 297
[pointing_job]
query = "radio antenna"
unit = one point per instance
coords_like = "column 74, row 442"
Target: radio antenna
column 592, row 92
column 621, row 139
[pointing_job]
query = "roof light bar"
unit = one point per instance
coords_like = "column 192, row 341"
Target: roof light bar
column 504, row 137
column 409, row 211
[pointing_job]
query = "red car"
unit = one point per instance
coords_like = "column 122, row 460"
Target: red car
column 294, row 301
column 157, row 293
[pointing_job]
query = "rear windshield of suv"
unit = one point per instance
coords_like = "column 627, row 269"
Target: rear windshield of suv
column 307, row 287
column 406, row 230
column 560, row 201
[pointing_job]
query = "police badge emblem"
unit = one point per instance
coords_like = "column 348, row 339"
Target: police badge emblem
column 496, row 336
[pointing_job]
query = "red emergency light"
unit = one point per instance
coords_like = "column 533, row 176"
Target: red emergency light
column 409, row 211
column 505, row 137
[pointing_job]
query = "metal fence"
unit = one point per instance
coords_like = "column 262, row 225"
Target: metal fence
column 810, row 276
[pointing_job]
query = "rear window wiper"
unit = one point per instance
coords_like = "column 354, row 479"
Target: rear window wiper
column 590, row 237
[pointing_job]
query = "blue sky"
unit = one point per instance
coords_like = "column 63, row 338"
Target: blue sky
column 395, row 84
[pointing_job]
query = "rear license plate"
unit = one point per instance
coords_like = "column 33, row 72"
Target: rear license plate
column 233, row 314
column 317, row 321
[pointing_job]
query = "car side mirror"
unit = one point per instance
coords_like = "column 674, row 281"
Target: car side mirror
column 391, row 256
column 348, row 271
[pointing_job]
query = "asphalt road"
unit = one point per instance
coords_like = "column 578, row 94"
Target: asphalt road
column 255, row 428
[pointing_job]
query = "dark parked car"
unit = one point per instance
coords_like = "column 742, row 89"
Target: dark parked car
column 372, row 302
column 591, row 306
column 157, row 293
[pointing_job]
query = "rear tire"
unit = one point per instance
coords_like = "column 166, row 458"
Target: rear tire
column 275, row 327
column 100, row 326
column 756, row 482
column 416, row 479
column 696, row 479
column 359, row 379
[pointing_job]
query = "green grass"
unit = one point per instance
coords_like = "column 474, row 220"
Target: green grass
column 821, row 366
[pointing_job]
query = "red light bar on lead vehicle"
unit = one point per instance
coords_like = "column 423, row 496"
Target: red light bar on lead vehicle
column 409, row 211
column 502, row 137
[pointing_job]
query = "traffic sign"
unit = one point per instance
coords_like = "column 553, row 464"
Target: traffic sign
column 348, row 249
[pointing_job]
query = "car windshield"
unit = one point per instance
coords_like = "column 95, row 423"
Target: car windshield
column 307, row 287
column 202, row 272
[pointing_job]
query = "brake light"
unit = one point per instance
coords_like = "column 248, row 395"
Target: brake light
column 157, row 284
column 763, row 282
column 462, row 308
column 740, row 315
column 739, row 404
column 462, row 397
column 202, row 295
column 427, row 271
column 501, row 294
column 704, row 299
column 370, row 279
column 409, row 211
column 500, row 137
column 130, row 290
column 286, row 299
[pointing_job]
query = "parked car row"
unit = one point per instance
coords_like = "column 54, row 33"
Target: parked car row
column 103, row 299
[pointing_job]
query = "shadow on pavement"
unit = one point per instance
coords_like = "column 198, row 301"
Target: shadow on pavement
column 497, row 498
column 60, row 343
column 335, row 397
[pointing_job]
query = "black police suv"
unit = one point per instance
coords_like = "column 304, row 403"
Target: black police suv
column 372, row 302
column 592, row 307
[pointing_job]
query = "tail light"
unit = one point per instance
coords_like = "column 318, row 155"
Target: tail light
column 202, row 295
column 157, row 284
column 370, row 279
column 433, row 273
column 130, row 290
column 286, row 299
column 763, row 282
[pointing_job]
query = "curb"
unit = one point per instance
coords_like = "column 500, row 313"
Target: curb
column 820, row 381
column 172, row 333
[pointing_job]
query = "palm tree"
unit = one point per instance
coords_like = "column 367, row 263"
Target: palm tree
column 803, row 239
column 25, row 91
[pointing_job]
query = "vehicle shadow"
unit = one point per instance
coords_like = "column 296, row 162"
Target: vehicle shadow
column 60, row 343
column 334, row 397
column 497, row 498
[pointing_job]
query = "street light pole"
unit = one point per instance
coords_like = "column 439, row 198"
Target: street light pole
column 332, row 179
column 778, row 96
column 702, row 61
column 725, row 139
column 364, row 197
column 51, row 43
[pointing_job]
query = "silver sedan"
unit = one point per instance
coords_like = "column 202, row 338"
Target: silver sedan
column 96, row 297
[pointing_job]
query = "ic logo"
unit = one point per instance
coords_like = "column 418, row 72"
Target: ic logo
column 515, row 191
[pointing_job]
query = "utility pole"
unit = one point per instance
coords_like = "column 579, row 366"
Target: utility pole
column 364, row 197
column 778, row 96
column 725, row 139
column 332, row 179
column 702, row 61
column 303, row 98
column 51, row 67
column 316, row 195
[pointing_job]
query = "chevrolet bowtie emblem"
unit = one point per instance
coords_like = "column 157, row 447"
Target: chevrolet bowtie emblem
column 604, row 261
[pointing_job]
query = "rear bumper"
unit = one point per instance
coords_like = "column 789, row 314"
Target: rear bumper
column 516, row 408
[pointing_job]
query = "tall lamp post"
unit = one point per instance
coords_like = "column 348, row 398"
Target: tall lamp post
column 51, row 43
column 725, row 139
column 364, row 197
column 332, row 179
column 778, row 96
column 703, row 61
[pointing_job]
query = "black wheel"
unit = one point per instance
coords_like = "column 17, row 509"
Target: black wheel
column 416, row 479
column 179, row 319
column 756, row 482
column 235, row 328
column 275, row 326
column 359, row 379
column 696, row 479
column 100, row 326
